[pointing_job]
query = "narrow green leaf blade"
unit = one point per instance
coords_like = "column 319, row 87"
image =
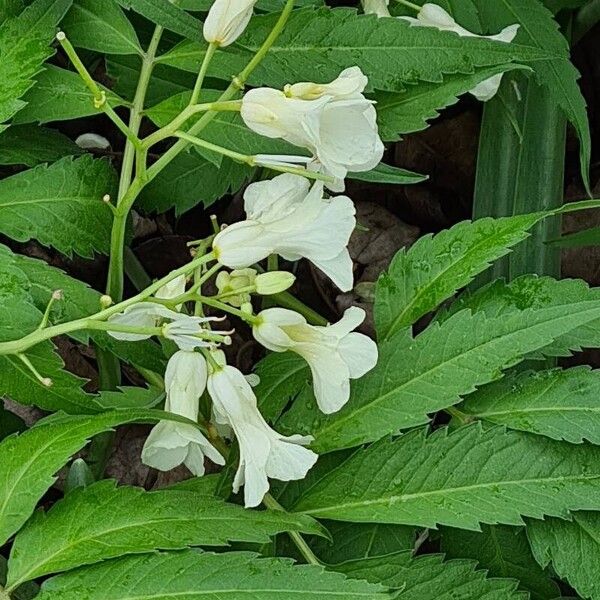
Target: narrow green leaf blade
column 60, row 95
column 168, row 15
column 30, row 145
column 60, row 205
column 114, row 521
column 24, row 46
column 204, row 576
column 28, row 462
column 428, row 577
column 100, row 25
column 573, row 549
column 418, row 280
column 502, row 551
column 502, row 476
column 559, row 403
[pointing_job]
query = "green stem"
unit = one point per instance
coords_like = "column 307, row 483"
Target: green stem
column 286, row 300
column 210, row 52
column 237, row 84
column 298, row 540
column 226, row 308
column 35, row 337
column 410, row 4
column 100, row 101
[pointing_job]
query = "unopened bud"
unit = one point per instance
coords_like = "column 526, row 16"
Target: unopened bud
column 246, row 307
column 274, row 282
column 106, row 198
column 46, row 381
column 60, row 36
column 57, row 295
column 105, row 301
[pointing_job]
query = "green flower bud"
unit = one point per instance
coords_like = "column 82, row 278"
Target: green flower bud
column 274, row 282
column 229, row 283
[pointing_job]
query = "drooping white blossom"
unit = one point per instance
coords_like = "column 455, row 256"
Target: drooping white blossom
column 335, row 353
column 285, row 217
column 227, row 20
column 432, row 15
column 334, row 121
column 170, row 443
column 264, row 453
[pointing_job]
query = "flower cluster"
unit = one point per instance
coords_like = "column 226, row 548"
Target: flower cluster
column 288, row 216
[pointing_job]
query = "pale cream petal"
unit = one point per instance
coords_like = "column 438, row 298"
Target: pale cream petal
column 359, row 352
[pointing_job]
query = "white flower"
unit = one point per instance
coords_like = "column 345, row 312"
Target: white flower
column 169, row 443
column 334, row 121
column 226, row 20
column 285, row 218
column 335, row 354
column 264, row 453
column 376, row 7
column 432, row 15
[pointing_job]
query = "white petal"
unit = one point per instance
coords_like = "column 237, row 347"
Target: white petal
column 289, row 461
column 359, row 352
column 226, row 20
column 274, row 199
column 487, row 89
column 92, row 141
column 353, row 317
column 339, row 269
column 376, row 7
column 143, row 315
column 172, row 289
column 242, row 244
column 185, row 381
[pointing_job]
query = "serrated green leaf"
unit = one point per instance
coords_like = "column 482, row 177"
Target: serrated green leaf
column 411, row 109
column 500, row 299
column 28, row 462
column 60, row 205
column 559, row 403
column 502, row 551
column 130, row 397
column 383, row 173
column 318, row 44
column 60, row 95
column 189, row 180
column 435, row 267
column 168, row 15
column 24, row 46
column 352, row 541
column 204, row 576
column 540, row 30
column 428, row 577
column 572, row 547
column 415, row 377
column 502, row 476
column 30, row 145
column 100, row 25
column 112, row 522
column 10, row 9
column 281, row 377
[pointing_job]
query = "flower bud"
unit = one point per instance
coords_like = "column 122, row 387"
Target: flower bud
column 229, row 283
column 274, row 282
column 227, row 20
column 105, row 301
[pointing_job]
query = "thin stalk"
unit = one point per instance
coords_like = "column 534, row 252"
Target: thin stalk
column 210, row 52
column 237, row 84
column 35, row 337
column 298, row 540
column 410, row 4
column 100, row 101
column 227, row 308
column 286, row 300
